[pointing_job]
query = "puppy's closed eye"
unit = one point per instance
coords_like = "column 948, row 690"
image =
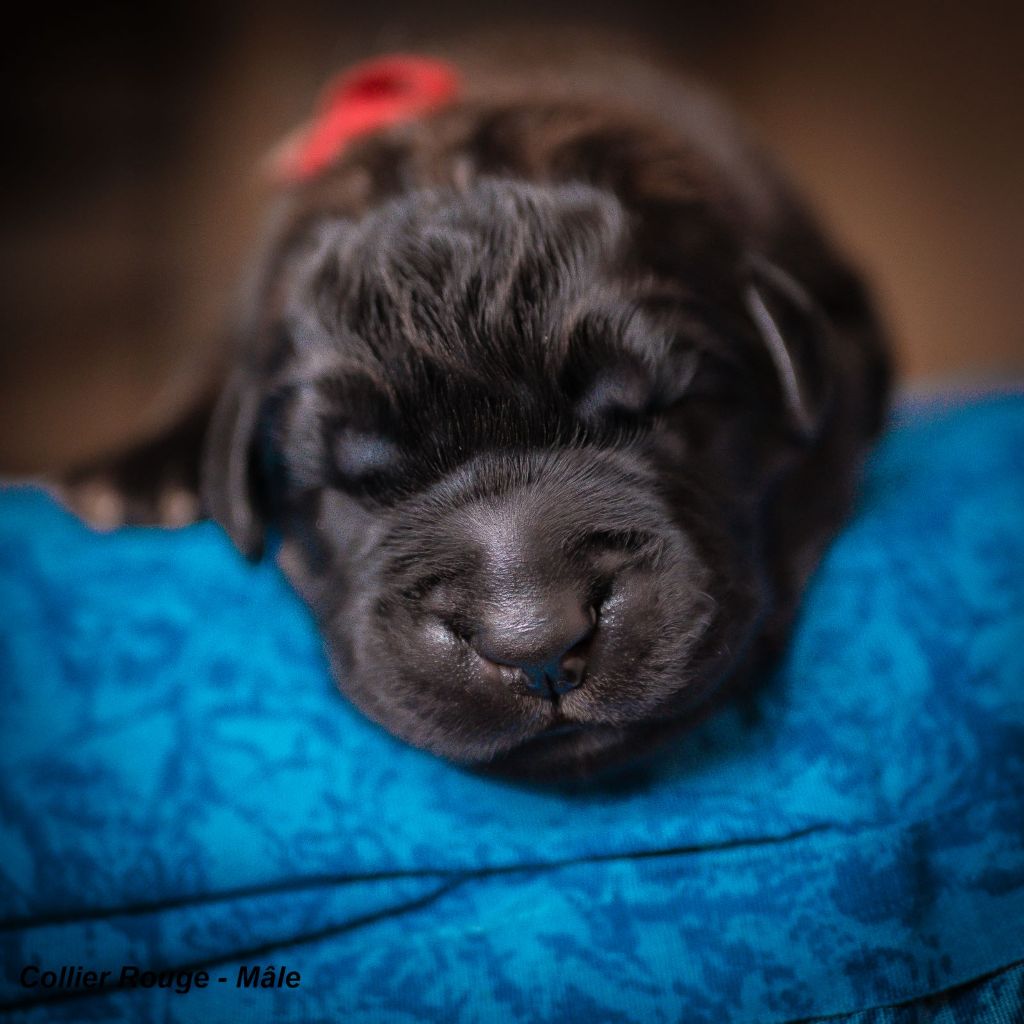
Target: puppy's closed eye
column 329, row 433
column 625, row 389
column 360, row 457
column 606, row 384
column 630, row 392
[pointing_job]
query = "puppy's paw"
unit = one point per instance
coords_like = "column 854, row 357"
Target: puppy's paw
column 178, row 505
column 106, row 502
column 97, row 501
column 153, row 483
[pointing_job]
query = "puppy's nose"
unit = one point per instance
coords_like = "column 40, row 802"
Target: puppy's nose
column 546, row 639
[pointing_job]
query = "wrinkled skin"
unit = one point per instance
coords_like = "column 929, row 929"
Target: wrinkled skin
column 552, row 447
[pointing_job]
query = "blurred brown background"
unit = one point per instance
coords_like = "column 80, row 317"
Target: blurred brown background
column 132, row 187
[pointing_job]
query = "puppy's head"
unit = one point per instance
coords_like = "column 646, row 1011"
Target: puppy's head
column 518, row 469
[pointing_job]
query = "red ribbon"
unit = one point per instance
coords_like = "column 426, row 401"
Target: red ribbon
column 373, row 95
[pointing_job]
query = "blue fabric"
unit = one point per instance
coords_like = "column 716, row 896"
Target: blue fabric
column 181, row 785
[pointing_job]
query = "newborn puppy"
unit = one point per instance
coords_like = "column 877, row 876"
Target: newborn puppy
column 553, row 394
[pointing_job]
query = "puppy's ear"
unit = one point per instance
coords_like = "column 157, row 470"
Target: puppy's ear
column 229, row 482
column 796, row 335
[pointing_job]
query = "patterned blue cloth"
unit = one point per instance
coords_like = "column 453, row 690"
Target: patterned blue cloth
column 180, row 786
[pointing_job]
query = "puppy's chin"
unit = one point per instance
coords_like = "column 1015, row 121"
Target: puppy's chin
column 570, row 752
column 572, row 749
column 457, row 713
column 564, row 751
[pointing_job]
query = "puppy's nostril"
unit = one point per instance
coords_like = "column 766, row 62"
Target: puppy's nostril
column 572, row 669
column 548, row 680
column 549, row 648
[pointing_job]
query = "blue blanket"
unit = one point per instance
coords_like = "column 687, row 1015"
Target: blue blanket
column 182, row 788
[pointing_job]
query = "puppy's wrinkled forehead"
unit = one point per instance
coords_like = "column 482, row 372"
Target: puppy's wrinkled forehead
column 452, row 322
column 486, row 281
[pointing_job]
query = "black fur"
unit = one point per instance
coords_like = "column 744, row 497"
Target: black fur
column 542, row 354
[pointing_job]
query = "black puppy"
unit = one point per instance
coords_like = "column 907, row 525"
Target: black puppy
column 554, row 395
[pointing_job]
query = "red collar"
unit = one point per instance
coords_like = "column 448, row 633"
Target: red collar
column 373, row 95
